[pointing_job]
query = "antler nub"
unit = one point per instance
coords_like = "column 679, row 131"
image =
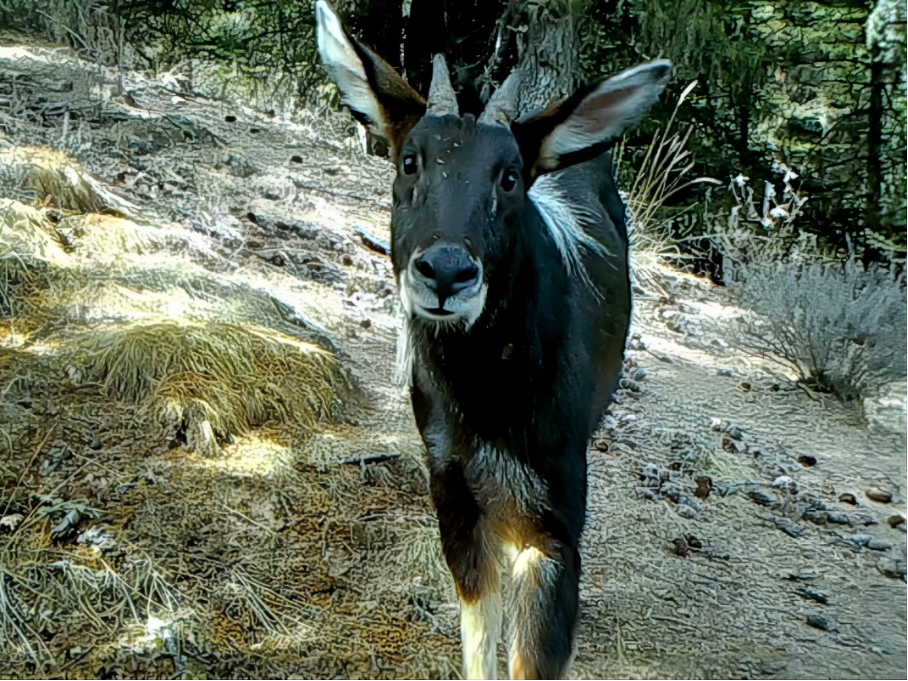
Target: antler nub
column 502, row 106
column 442, row 101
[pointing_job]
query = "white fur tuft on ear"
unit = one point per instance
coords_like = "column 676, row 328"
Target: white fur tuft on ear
column 603, row 114
column 343, row 64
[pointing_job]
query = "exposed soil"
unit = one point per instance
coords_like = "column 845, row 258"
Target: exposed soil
column 730, row 529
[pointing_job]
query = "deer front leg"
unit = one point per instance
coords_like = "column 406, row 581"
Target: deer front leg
column 469, row 549
column 542, row 608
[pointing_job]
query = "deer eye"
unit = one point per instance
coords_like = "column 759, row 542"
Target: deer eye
column 410, row 164
column 509, row 181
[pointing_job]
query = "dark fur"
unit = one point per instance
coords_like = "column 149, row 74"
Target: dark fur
column 506, row 406
column 531, row 377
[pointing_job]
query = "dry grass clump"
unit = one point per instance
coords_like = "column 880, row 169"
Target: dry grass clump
column 105, row 236
column 216, row 377
column 29, row 252
column 663, row 173
column 48, row 177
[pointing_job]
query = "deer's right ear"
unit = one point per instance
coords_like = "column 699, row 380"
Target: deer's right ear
column 377, row 96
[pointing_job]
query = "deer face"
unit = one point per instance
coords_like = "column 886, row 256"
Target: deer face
column 461, row 187
column 458, row 198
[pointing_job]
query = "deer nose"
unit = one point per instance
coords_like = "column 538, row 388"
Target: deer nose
column 446, row 270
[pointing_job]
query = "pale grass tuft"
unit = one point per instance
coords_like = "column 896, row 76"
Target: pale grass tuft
column 663, row 173
column 227, row 376
column 30, row 252
column 49, row 177
column 837, row 324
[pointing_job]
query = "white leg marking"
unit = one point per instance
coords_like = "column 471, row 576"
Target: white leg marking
column 480, row 628
column 534, row 575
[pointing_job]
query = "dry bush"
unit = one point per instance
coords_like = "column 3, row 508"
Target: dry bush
column 839, row 326
column 49, row 178
column 87, row 26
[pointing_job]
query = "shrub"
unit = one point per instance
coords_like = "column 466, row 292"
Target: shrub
column 839, row 326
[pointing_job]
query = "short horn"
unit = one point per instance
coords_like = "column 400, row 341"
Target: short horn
column 442, row 101
column 502, row 107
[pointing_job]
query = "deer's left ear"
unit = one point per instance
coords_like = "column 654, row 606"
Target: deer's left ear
column 558, row 136
column 377, row 96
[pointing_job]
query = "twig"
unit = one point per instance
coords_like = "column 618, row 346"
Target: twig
column 245, row 517
column 25, row 470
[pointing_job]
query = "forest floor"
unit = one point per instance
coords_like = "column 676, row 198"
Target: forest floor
column 159, row 524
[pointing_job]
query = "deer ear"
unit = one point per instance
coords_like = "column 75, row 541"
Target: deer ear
column 558, row 136
column 377, row 96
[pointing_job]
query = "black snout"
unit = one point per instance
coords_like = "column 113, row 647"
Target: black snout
column 446, row 270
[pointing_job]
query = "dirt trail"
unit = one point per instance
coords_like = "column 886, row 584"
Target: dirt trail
column 717, row 543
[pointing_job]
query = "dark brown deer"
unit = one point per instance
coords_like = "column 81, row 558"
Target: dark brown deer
column 515, row 285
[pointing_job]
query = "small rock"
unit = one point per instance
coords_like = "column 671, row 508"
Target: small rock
column 95, row 445
column 789, row 527
column 745, row 386
column 629, row 384
column 860, row 539
column 684, row 545
column 365, row 324
column 814, row 594
column 673, row 491
column 685, row 511
column 892, row 568
column 761, row 498
column 895, row 520
column 125, row 487
column 724, row 372
column 640, row 375
column 817, row 516
column 878, row 545
column 838, row 518
column 704, row 485
column 725, row 487
column 651, row 472
column 784, row 482
column 807, row 461
column 848, row 499
column 822, row 622
column 645, row 493
column 863, row 519
column 735, row 432
column 878, row 495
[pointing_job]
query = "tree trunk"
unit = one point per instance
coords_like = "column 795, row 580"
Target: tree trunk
column 547, row 50
column 484, row 41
